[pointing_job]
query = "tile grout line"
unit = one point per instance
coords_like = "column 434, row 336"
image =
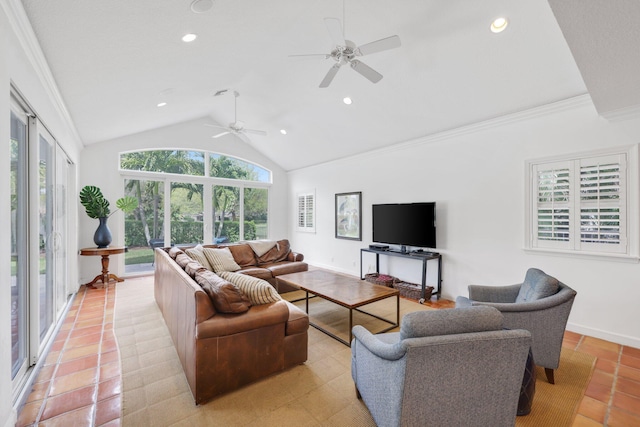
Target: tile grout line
column 613, row 386
column 58, row 361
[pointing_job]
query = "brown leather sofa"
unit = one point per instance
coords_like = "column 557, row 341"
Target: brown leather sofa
column 279, row 260
column 221, row 352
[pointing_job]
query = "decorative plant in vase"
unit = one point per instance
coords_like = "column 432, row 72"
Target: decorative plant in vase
column 97, row 206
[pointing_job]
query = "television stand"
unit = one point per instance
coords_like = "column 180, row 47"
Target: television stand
column 422, row 256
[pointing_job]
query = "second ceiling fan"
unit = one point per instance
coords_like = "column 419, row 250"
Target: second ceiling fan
column 346, row 52
column 237, row 127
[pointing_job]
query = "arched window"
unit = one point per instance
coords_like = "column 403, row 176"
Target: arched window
column 212, row 198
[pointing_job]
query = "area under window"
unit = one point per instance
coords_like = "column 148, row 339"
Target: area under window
column 581, row 203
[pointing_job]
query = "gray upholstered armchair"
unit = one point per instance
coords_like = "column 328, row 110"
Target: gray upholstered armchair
column 540, row 304
column 448, row 367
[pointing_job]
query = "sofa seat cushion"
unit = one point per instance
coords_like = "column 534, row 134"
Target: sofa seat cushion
column 257, row 290
column 286, row 267
column 258, row 316
column 537, row 284
column 226, row 298
column 243, row 255
column 221, row 259
column 298, row 322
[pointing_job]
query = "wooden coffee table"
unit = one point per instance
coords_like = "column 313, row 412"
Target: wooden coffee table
column 346, row 291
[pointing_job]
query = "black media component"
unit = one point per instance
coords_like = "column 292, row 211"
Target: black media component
column 405, row 224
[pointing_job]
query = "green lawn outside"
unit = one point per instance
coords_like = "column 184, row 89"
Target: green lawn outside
column 139, row 255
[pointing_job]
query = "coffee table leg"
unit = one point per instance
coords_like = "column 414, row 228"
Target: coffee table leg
column 350, row 326
column 307, row 301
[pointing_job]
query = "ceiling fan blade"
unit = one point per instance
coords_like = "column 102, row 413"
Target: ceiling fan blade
column 311, row 55
column 221, row 134
column 335, row 30
column 215, row 126
column 366, row 71
column 379, row 45
column 330, row 75
column 254, row 131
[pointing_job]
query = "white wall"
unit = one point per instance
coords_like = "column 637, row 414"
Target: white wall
column 19, row 65
column 99, row 166
column 476, row 176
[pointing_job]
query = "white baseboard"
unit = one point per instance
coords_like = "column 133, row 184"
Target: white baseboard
column 332, row 268
column 604, row 335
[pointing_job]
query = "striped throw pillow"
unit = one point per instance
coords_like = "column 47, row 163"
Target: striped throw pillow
column 221, row 259
column 257, row 290
column 198, row 255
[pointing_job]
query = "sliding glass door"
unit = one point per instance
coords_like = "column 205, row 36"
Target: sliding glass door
column 39, row 205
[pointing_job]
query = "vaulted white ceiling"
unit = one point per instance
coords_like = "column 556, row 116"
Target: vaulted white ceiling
column 115, row 60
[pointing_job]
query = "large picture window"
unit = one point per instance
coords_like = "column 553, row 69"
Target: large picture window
column 581, row 204
column 189, row 197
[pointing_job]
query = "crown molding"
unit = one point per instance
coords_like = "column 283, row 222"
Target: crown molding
column 23, row 31
column 543, row 110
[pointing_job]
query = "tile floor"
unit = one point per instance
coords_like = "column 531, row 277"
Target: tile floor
column 80, row 382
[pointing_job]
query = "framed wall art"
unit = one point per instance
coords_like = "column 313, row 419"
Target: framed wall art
column 348, row 216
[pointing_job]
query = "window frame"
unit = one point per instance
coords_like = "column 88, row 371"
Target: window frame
column 576, row 244
column 305, row 211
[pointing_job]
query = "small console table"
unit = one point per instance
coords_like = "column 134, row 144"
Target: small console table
column 418, row 256
column 105, row 276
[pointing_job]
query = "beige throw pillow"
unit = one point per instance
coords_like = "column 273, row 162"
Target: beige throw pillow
column 257, row 290
column 198, row 255
column 221, row 259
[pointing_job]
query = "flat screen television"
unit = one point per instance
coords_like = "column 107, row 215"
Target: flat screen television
column 405, row 224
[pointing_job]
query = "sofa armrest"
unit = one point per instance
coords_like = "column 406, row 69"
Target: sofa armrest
column 497, row 294
column 295, row 256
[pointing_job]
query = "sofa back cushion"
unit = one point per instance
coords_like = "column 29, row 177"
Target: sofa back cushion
column 450, row 321
column 243, row 255
column 183, row 259
column 226, row 298
column 257, row 290
column 221, row 259
column 537, row 284
column 278, row 253
column 174, row 251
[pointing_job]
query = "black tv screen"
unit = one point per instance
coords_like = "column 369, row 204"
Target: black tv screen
column 406, row 224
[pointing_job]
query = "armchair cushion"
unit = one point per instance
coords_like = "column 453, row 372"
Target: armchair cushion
column 537, row 285
column 450, row 321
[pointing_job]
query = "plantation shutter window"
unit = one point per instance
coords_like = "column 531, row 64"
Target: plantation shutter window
column 579, row 204
column 306, row 212
column 553, row 204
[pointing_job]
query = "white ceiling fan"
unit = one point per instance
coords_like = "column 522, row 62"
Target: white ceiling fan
column 237, row 127
column 347, row 51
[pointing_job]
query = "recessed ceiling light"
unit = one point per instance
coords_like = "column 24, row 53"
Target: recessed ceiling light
column 283, row 131
column 161, row 104
column 189, row 38
column 347, row 100
column 499, row 24
column 201, row 6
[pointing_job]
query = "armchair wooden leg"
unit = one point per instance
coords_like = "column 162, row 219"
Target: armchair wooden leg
column 549, row 373
column 358, row 393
